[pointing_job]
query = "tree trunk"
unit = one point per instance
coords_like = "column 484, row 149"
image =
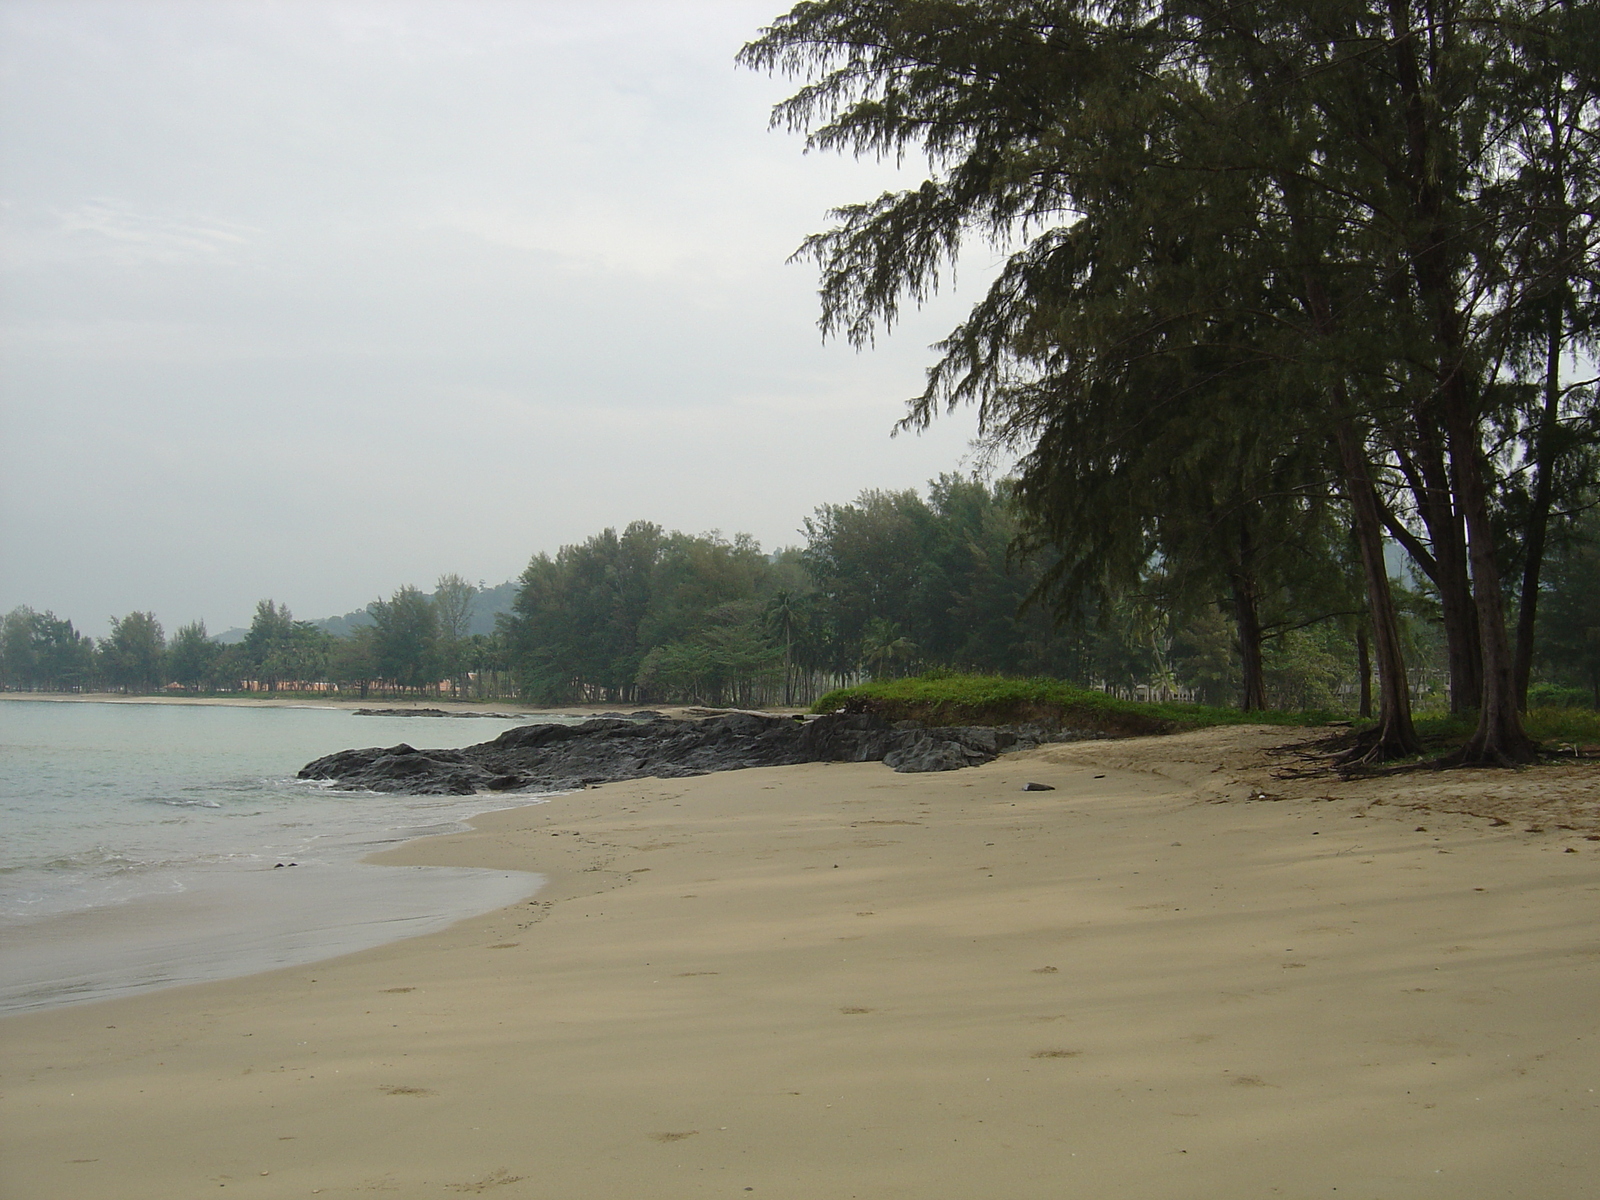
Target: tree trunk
column 1447, row 534
column 1364, row 669
column 1394, row 736
column 788, row 668
column 1247, row 618
column 1539, row 511
column 1499, row 738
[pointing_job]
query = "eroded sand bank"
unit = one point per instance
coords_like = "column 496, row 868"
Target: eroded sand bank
column 834, row 981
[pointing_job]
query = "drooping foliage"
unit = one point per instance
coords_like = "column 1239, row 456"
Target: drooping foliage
column 1242, row 240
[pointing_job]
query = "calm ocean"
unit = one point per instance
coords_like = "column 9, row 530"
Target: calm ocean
column 141, row 841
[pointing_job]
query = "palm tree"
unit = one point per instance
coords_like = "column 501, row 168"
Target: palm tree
column 784, row 617
column 883, row 645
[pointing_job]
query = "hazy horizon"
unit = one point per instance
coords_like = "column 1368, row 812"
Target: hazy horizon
column 314, row 300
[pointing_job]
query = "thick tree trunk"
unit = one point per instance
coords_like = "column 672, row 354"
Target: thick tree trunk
column 1499, row 738
column 1447, row 534
column 1394, row 736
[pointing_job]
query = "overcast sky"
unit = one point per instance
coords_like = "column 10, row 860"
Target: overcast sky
column 313, row 299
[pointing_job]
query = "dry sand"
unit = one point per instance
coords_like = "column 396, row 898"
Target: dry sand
column 832, row 981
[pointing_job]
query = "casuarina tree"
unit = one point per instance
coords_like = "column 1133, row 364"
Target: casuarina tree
column 1290, row 218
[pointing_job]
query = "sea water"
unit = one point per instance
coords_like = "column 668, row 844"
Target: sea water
column 140, row 844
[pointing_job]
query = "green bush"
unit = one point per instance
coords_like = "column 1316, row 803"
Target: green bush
column 944, row 698
column 1552, row 695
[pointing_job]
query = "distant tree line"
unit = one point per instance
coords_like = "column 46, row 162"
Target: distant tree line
column 899, row 583
column 413, row 644
column 893, row 584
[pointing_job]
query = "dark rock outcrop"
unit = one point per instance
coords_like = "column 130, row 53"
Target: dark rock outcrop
column 551, row 757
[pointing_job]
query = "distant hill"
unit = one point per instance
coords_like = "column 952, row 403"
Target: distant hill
column 490, row 603
column 486, row 605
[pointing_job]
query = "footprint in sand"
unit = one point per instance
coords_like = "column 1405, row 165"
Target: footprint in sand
column 1055, row 1054
column 674, row 1137
column 493, row 1179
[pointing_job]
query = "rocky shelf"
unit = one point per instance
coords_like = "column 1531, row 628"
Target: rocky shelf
column 555, row 757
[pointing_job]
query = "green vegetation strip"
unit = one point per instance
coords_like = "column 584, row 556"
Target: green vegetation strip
column 941, row 698
column 945, row 699
column 1553, row 727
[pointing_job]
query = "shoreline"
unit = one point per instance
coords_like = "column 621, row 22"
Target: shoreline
column 451, row 708
column 154, row 865
column 832, row 980
column 235, row 926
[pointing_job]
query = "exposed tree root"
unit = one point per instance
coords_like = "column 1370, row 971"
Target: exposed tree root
column 1366, row 755
column 1474, row 754
column 1376, row 745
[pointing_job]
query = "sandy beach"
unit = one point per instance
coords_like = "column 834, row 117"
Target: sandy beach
column 1175, row 975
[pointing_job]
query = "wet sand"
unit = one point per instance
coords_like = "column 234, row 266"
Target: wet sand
column 237, row 923
column 835, row 981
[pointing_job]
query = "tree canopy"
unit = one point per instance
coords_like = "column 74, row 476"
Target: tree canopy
column 1333, row 240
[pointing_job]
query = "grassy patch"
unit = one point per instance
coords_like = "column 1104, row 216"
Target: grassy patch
column 1572, row 726
column 1553, row 727
column 942, row 699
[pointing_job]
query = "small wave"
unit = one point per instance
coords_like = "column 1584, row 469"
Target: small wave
column 179, row 801
column 243, row 783
column 329, row 787
column 98, row 858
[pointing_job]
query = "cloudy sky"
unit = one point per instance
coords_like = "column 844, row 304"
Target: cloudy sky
column 313, row 299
